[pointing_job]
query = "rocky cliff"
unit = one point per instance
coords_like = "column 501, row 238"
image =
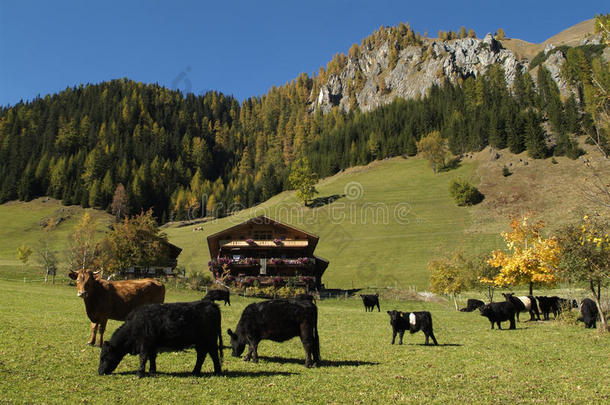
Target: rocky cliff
column 370, row 79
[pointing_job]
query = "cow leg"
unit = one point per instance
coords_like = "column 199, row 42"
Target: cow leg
column 254, row 349
column 426, row 335
column 393, row 336
column 91, row 341
column 101, row 330
column 201, row 352
column 153, row 363
column 307, row 340
column 400, row 335
column 512, row 323
column 378, row 309
column 499, row 325
column 433, row 338
column 492, row 324
column 143, row 358
column 215, row 358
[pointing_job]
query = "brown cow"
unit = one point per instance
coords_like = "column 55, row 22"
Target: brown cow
column 113, row 299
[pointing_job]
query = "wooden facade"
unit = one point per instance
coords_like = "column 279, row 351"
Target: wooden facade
column 268, row 251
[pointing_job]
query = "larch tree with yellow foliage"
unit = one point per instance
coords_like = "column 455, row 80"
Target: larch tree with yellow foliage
column 532, row 258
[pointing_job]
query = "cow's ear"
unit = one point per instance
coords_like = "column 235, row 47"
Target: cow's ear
column 73, row 275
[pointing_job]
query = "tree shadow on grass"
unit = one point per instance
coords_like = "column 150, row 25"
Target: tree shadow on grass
column 322, row 201
column 323, row 363
column 451, row 165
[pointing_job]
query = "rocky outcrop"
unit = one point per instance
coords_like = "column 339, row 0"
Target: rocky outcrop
column 369, row 81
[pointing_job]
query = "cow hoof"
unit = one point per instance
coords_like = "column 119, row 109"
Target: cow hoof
column 141, row 374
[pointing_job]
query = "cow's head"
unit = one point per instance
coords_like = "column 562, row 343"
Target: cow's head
column 237, row 344
column 109, row 359
column 85, row 280
column 486, row 310
column 394, row 316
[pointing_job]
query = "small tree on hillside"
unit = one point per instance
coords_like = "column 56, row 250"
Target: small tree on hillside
column 434, row 149
column 23, row 254
column 303, row 180
column 119, row 202
column 585, row 256
column 500, row 35
column 533, row 258
column 483, row 277
column 81, row 246
column 449, row 275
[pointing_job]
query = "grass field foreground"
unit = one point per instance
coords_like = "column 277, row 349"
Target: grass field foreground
column 44, row 359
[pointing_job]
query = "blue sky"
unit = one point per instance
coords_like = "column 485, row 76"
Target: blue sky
column 241, row 48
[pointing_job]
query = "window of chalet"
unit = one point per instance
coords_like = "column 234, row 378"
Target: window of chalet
column 262, row 235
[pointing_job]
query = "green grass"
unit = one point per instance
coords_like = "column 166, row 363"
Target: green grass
column 44, row 359
column 384, row 237
column 21, row 224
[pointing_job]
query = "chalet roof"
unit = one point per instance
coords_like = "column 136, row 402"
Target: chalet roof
column 214, row 239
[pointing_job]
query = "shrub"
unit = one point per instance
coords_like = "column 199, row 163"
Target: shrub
column 198, row 280
column 506, row 172
column 464, row 193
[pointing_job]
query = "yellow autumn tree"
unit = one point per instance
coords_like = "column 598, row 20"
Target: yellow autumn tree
column 532, row 258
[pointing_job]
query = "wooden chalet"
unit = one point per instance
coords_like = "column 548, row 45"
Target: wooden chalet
column 267, row 251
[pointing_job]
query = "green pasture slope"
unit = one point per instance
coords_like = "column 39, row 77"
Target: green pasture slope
column 391, row 217
column 44, row 359
column 21, row 225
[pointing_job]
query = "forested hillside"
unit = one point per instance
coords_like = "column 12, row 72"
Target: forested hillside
column 191, row 155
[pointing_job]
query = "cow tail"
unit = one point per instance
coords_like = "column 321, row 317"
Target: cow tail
column 316, row 336
column 220, row 345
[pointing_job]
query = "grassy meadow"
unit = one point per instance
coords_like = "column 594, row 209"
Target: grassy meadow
column 389, row 219
column 44, row 359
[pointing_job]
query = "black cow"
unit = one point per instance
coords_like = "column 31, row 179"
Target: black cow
column 472, row 304
column 548, row 305
column 307, row 297
column 369, row 301
column 588, row 313
column 278, row 320
column 524, row 304
column 219, row 295
column 166, row 327
column 412, row 321
column 498, row 312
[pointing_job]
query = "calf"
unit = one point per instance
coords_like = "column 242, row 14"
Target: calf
column 588, row 313
column 369, row 301
column 412, row 321
column 219, row 295
column 277, row 320
column 472, row 304
column 498, row 312
column 166, row 327
column 523, row 304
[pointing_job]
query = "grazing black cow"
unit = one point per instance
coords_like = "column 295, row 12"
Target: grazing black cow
column 412, row 321
column 472, row 304
column 588, row 313
column 278, row 320
column 498, row 312
column 369, row 301
column 166, row 327
column 523, row 304
column 219, row 295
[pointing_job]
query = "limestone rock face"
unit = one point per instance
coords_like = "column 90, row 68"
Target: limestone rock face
column 417, row 69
